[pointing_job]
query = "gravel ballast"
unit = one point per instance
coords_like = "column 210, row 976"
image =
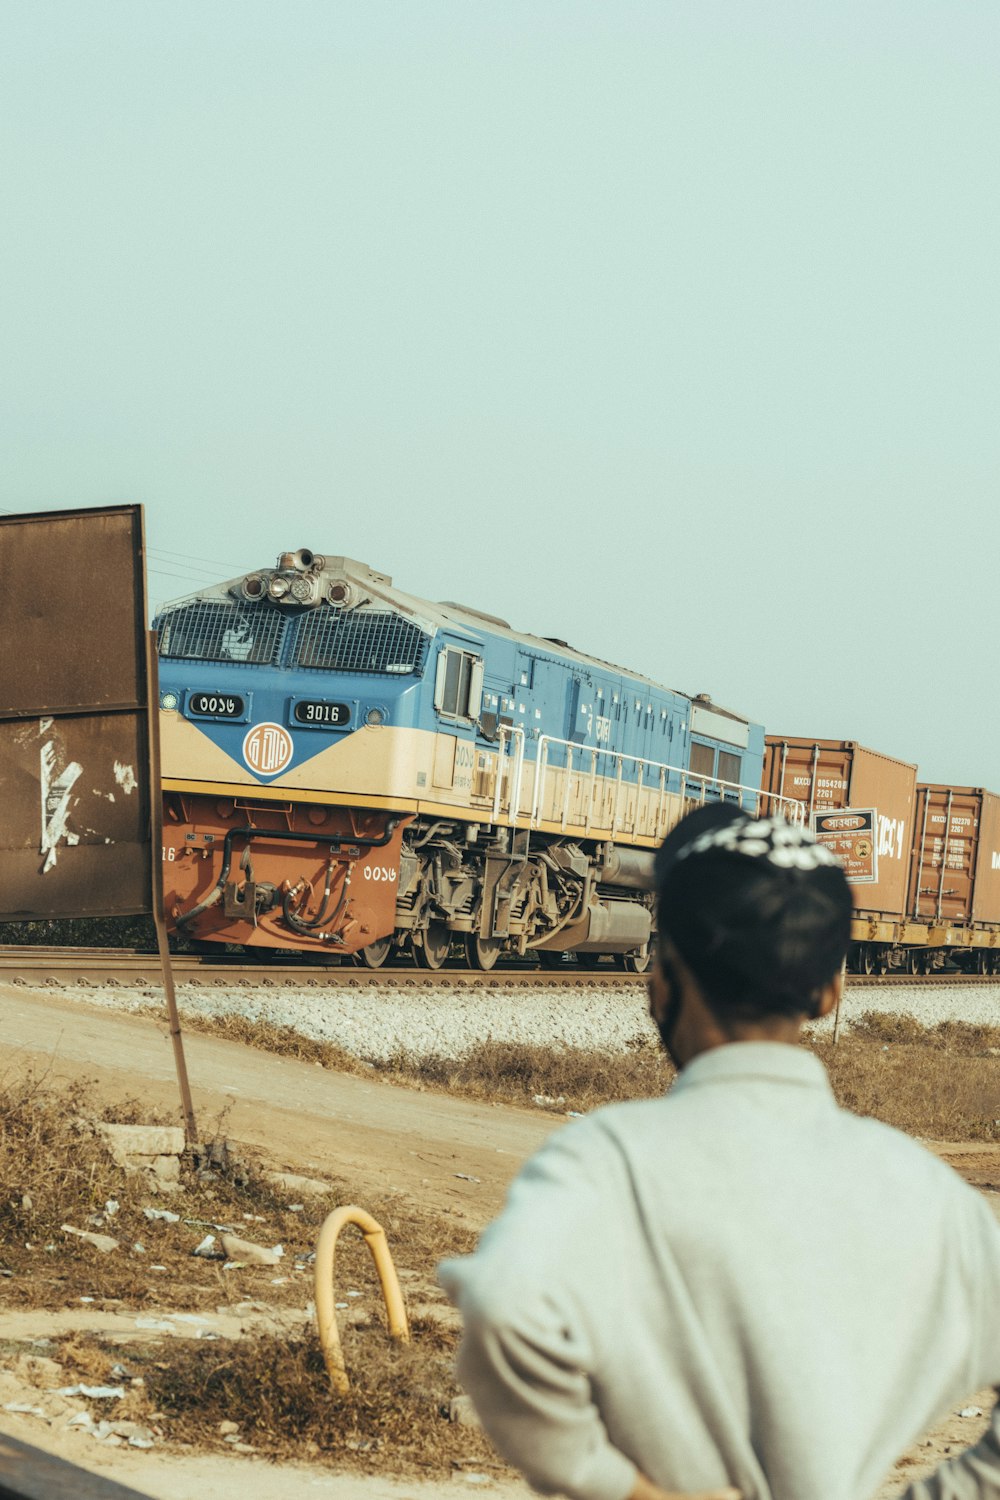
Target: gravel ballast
column 374, row 1021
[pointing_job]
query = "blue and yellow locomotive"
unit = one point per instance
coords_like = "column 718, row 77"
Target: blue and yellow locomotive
column 351, row 769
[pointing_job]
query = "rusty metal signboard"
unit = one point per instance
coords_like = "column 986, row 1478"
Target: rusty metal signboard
column 851, row 834
column 75, row 828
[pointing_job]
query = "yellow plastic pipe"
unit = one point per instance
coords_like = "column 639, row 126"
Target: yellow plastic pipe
column 326, row 1296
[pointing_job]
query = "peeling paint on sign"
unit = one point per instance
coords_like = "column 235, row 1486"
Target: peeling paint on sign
column 125, row 777
column 56, row 792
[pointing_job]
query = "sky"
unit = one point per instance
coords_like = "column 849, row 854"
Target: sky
column 670, row 329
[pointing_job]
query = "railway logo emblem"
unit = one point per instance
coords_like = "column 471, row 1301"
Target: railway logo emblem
column 267, row 749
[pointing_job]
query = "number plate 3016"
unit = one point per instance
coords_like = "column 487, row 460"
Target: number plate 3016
column 319, row 714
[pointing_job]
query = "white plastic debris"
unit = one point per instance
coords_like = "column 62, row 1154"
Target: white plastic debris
column 207, row 1248
column 102, row 1242
column 93, row 1392
column 971, row 1411
column 162, row 1213
column 23, row 1408
column 466, row 1177
column 111, row 1207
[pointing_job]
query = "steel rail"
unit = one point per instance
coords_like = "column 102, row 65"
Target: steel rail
column 88, row 966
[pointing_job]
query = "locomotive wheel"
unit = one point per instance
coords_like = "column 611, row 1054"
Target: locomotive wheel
column 639, row 962
column 375, row 955
column 482, row 953
column 435, row 947
column 549, row 960
column 866, row 960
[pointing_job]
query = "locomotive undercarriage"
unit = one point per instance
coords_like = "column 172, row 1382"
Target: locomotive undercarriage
column 372, row 883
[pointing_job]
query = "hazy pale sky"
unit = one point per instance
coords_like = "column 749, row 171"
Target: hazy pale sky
column 671, row 329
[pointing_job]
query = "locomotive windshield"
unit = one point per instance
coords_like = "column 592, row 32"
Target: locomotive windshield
column 217, row 630
column 330, row 640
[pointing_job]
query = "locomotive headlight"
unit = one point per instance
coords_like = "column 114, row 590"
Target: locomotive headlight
column 169, row 701
column 340, row 594
column 302, row 589
column 253, row 586
column 375, row 716
column 278, row 587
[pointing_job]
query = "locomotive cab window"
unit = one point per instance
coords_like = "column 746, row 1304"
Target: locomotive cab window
column 458, row 687
column 702, row 759
column 729, row 766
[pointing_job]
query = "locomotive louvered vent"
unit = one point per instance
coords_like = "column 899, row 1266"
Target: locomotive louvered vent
column 360, row 641
column 215, row 630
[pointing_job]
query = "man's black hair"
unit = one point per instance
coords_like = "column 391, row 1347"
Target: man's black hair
column 759, row 938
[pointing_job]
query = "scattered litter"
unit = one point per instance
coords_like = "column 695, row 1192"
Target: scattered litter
column 354, row 1294
column 23, row 1408
column 111, row 1207
column 162, row 1213
column 86, row 1299
column 971, row 1411
column 102, row 1242
column 341, row 1304
column 295, row 1208
column 139, row 1249
column 467, row 1178
column 157, row 1268
column 5, row 1272
column 234, row 1265
column 278, row 1280
column 120, row 1372
column 228, row 1428
column 93, row 1392
column 546, row 1100
column 575, row 1114
column 207, row 1248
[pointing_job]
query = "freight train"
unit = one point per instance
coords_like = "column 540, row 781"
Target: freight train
column 349, row 769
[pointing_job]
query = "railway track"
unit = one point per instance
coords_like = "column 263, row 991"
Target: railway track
column 128, row 969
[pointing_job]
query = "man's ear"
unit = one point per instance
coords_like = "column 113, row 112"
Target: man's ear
column 829, row 995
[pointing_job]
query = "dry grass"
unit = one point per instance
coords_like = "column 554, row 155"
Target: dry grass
column 276, row 1389
column 55, row 1169
column 941, row 1082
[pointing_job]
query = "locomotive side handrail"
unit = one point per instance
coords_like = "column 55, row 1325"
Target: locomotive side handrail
column 692, row 787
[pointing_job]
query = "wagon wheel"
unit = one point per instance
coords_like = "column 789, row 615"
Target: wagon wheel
column 914, row 961
column 639, row 962
column 983, row 961
column 866, row 959
column 375, row 955
column 433, row 951
column 482, row 953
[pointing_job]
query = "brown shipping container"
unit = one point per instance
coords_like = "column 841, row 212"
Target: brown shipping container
column 955, row 867
column 827, row 775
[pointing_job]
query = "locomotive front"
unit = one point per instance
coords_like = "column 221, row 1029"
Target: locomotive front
column 287, row 701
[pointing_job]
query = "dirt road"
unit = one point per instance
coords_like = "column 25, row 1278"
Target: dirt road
column 381, row 1137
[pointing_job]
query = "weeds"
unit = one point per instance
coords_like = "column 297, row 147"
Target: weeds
column 55, row 1169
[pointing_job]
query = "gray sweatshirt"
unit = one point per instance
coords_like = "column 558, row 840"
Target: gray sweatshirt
column 739, row 1283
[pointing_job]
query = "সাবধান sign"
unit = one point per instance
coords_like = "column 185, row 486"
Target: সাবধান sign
column 850, row 835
